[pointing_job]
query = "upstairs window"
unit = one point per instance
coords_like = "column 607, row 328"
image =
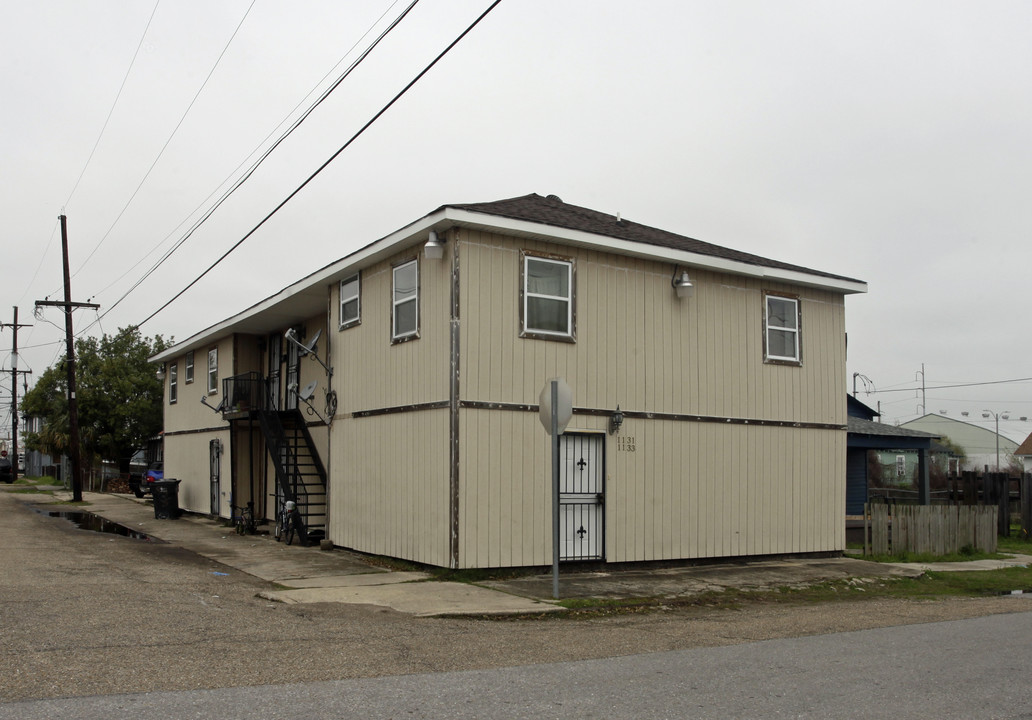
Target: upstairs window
column 350, row 305
column 546, row 307
column 782, row 324
column 173, row 383
column 405, row 302
column 213, row 371
column 188, row 370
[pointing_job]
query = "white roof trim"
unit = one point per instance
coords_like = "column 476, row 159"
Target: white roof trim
column 654, row 252
column 447, row 217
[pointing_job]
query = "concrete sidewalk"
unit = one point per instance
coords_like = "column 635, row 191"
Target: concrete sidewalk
column 310, row 575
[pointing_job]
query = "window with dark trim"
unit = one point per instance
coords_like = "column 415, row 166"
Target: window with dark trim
column 405, row 301
column 350, row 301
column 188, row 369
column 547, row 298
column 173, row 383
column 213, row 371
column 782, row 337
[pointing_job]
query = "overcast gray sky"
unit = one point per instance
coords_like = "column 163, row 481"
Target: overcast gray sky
column 884, row 141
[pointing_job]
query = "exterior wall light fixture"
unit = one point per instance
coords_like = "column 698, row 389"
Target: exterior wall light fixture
column 434, row 248
column 682, row 284
column 615, row 421
column 161, row 372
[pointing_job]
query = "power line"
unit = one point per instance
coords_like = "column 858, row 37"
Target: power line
column 117, row 96
column 254, row 166
column 333, row 157
column 958, row 385
column 167, row 142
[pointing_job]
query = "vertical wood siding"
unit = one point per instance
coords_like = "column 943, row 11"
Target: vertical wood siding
column 389, row 474
column 690, row 489
column 390, row 485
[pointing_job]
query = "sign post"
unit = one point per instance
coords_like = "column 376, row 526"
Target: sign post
column 555, row 408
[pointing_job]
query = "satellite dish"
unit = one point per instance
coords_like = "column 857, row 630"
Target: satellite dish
column 309, row 347
column 307, row 390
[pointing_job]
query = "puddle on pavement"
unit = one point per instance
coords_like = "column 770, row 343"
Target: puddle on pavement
column 95, row 523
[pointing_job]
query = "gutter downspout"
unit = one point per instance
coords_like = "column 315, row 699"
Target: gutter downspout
column 453, row 407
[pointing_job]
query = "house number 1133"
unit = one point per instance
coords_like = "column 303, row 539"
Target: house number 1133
column 625, row 443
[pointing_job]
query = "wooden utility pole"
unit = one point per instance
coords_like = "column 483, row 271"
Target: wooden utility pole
column 73, row 405
column 14, row 391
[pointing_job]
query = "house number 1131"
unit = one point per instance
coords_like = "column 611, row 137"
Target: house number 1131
column 625, row 443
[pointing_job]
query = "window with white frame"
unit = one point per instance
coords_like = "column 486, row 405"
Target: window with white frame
column 546, row 308
column 350, row 301
column 188, row 369
column 213, row 371
column 782, row 330
column 901, row 465
column 405, row 302
column 173, row 383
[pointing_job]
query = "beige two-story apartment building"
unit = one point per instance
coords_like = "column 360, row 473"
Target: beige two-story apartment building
column 394, row 395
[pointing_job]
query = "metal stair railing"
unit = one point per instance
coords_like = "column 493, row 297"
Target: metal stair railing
column 288, row 462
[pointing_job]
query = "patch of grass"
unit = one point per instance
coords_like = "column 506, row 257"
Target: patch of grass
column 30, row 491
column 36, row 481
column 929, row 586
column 1018, row 542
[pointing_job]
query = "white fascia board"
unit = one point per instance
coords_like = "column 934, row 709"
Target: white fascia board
column 264, row 313
column 652, row 252
column 413, row 233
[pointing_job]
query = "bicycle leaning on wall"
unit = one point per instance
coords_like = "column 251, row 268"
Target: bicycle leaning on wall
column 246, row 523
column 288, row 522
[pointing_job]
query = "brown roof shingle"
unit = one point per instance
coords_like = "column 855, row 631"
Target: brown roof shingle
column 553, row 211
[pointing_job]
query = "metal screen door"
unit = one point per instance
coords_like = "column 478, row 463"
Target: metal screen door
column 581, row 495
column 215, row 468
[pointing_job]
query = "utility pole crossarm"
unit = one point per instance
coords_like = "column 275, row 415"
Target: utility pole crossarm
column 62, row 303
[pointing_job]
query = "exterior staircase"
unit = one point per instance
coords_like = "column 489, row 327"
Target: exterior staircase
column 300, row 473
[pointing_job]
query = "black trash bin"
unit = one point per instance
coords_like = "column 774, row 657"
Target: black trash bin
column 166, row 498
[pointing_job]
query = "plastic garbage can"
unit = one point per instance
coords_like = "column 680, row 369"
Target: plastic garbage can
column 166, row 498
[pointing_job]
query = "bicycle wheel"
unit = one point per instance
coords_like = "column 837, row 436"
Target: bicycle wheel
column 290, row 529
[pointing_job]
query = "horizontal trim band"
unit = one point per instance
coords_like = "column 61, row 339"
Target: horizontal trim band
column 439, row 405
column 638, row 415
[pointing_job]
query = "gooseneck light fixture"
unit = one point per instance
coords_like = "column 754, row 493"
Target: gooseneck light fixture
column 682, row 284
column 434, row 248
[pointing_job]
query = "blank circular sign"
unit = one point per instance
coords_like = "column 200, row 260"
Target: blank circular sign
column 564, row 408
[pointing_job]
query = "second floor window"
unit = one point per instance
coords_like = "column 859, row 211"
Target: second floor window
column 173, row 383
column 213, row 371
column 188, row 370
column 782, row 336
column 405, row 301
column 350, row 303
column 547, row 302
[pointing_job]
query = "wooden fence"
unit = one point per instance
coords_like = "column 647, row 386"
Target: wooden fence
column 935, row 529
column 1010, row 495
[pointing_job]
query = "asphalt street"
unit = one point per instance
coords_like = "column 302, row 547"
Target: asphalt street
column 88, row 619
column 976, row 668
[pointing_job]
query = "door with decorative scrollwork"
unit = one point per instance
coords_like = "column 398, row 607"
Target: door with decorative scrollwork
column 582, row 496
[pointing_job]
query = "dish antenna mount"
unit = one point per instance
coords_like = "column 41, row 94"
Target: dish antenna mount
column 312, row 348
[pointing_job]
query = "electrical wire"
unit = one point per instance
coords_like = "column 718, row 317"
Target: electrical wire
column 333, row 157
column 945, row 387
column 167, row 142
column 115, row 103
column 254, row 166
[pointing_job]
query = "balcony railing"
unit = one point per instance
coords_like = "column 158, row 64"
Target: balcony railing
column 244, row 394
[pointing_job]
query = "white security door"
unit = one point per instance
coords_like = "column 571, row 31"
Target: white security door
column 581, row 495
